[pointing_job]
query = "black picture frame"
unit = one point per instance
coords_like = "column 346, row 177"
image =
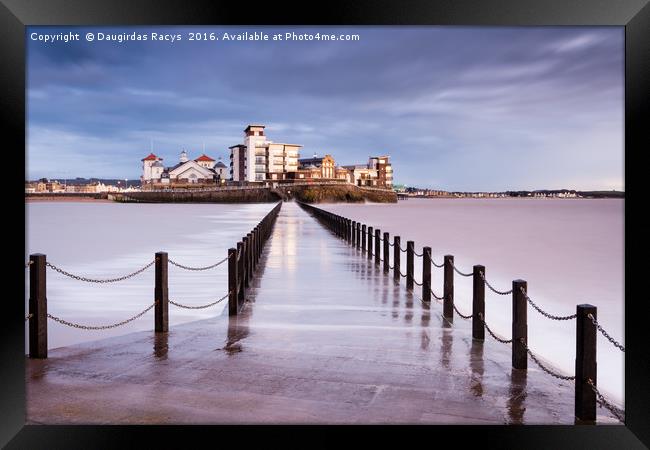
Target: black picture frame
column 634, row 15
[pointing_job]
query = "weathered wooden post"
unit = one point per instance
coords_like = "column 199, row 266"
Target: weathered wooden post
column 478, row 303
column 358, row 235
column 585, row 397
column 397, row 253
column 232, row 281
column 377, row 246
column 426, row 274
column 363, row 238
column 241, row 274
column 349, row 234
column 386, row 253
column 370, row 233
column 161, row 293
column 519, row 325
column 37, row 306
column 448, row 289
column 247, row 272
column 410, row 250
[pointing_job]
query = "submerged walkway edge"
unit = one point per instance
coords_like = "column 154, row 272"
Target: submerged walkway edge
column 323, row 337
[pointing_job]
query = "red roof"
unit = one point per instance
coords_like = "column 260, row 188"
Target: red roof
column 151, row 157
column 204, row 158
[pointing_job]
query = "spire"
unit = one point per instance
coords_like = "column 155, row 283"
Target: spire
column 183, row 156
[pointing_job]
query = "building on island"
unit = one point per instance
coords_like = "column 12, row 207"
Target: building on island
column 202, row 170
column 377, row 173
column 259, row 159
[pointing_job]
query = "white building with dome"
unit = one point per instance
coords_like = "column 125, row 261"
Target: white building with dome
column 203, row 169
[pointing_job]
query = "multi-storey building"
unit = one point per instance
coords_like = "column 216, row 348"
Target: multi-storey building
column 377, row 173
column 259, row 159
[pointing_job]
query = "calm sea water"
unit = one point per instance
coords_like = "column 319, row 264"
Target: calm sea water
column 570, row 251
column 108, row 240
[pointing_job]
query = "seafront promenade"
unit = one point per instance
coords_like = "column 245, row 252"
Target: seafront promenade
column 324, row 337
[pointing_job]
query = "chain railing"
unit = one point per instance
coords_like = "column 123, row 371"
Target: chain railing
column 91, row 280
column 496, row 291
column 461, row 314
column 198, row 268
column 100, row 327
column 435, row 296
column 544, row 313
column 542, row 366
column 503, row 341
column 201, row 306
column 458, row 271
column 602, row 401
column 604, row 333
column 439, row 266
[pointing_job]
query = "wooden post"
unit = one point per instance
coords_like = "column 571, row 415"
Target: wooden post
column 585, row 397
column 161, row 293
column 363, row 238
column 377, row 246
column 241, row 274
column 247, row 273
column 370, row 232
column 348, row 231
column 410, row 250
column 448, row 289
column 232, row 281
column 519, row 325
column 397, row 253
column 358, row 235
column 386, row 253
column 426, row 274
column 37, row 306
column 478, row 303
column 354, row 233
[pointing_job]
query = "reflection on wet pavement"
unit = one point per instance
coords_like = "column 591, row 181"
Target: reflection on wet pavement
column 325, row 337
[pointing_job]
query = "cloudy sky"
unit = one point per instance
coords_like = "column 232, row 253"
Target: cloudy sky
column 456, row 108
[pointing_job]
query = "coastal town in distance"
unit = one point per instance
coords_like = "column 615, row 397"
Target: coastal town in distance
column 271, row 164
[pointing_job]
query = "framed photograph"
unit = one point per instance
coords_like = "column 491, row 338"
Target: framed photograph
column 367, row 214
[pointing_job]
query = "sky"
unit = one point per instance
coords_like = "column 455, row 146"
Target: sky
column 455, row 108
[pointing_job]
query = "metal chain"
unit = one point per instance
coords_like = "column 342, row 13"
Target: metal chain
column 544, row 313
column 402, row 274
column 402, row 250
column 544, row 368
column 198, row 268
column 459, row 272
column 602, row 401
column 435, row 296
column 438, row 266
column 90, row 280
column 462, row 315
column 418, row 254
column 609, row 338
column 29, row 316
column 503, row 341
column 418, row 284
column 493, row 289
column 391, row 245
column 199, row 307
column 101, row 327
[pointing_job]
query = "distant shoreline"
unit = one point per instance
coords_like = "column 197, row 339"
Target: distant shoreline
column 66, row 199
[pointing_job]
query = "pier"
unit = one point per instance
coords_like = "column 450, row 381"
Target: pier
column 322, row 327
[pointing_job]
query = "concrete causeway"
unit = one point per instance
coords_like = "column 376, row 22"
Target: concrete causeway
column 325, row 338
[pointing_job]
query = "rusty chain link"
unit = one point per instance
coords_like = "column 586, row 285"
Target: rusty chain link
column 602, row 401
column 199, row 307
column 503, row 341
column 198, row 268
column 493, row 289
column 100, row 327
column 609, row 338
column 90, row 280
column 544, row 313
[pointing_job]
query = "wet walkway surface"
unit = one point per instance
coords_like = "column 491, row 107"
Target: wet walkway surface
column 325, row 337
